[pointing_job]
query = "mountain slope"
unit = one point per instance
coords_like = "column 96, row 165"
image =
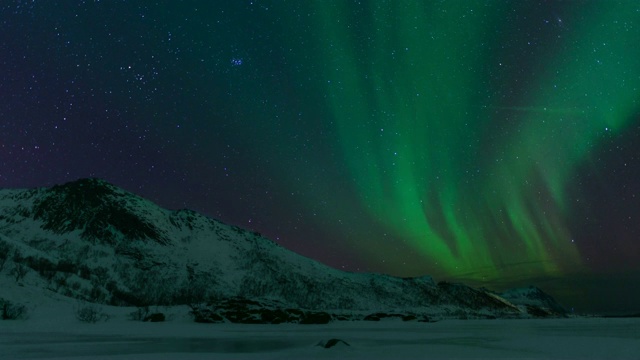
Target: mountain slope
column 91, row 240
column 537, row 302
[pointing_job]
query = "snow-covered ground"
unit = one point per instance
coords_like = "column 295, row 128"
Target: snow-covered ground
column 61, row 336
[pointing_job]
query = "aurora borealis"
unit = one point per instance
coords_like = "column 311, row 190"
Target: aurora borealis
column 489, row 142
column 425, row 164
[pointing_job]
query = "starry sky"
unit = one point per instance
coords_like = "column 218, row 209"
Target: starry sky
column 495, row 143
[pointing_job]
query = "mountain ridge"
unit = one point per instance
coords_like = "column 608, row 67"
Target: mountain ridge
column 91, row 240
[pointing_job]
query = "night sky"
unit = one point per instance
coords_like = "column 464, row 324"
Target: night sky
column 491, row 142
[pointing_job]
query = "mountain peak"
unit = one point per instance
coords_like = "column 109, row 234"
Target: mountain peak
column 88, row 186
column 100, row 210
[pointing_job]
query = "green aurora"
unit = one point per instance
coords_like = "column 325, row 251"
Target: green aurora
column 409, row 85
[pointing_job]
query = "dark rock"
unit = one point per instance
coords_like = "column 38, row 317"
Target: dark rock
column 277, row 316
column 295, row 312
column 331, row 343
column 372, row 317
column 243, row 317
column 11, row 311
column 155, row 317
column 379, row 316
column 315, row 318
column 205, row 315
column 240, row 303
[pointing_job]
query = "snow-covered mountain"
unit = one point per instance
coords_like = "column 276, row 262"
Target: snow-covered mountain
column 93, row 241
column 536, row 301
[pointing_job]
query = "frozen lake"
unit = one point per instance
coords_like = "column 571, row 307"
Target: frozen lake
column 467, row 339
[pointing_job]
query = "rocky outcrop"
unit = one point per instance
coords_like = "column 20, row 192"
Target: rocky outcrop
column 244, row 311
